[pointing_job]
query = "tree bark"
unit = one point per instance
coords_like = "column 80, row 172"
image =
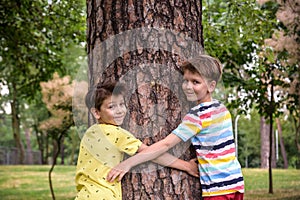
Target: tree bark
column 62, row 150
column 16, row 125
column 297, row 137
column 264, row 153
column 282, row 148
column 41, row 140
column 265, row 145
column 28, row 144
column 141, row 43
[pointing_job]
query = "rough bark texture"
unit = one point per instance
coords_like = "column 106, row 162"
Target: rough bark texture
column 265, row 144
column 154, row 103
column 28, row 145
column 282, row 148
column 16, row 126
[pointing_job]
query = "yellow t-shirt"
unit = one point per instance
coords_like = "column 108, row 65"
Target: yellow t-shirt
column 102, row 147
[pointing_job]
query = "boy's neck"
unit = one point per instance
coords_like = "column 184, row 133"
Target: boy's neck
column 101, row 122
column 209, row 99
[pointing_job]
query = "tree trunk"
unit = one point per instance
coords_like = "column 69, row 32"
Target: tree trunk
column 55, row 147
column 264, row 142
column 282, row 148
column 56, row 151
column 297, row 137
column 28, row 144
column 47, row 149
column 16, row 125
column 265, row 145
column 141, row 43
column 62, row 150
column 41, row 140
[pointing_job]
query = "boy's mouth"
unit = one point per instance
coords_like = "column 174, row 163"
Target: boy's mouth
column 118, row 118
column 189, row 93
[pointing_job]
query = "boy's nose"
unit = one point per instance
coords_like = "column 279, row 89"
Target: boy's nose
column 120, row 109
column 189, row 85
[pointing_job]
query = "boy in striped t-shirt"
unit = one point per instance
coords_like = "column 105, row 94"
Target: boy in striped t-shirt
column 208, row 125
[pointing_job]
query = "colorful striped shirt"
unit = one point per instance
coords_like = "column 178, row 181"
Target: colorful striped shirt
column 209, row 127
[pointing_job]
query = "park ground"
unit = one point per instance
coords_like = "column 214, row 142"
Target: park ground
column 31, row 183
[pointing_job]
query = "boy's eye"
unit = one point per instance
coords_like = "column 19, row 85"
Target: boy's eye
column 192, row 81
column 111, row 106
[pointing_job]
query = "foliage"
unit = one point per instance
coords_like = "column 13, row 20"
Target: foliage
column 257, row 51
column 5, row 127
column 249, row 140
column 234, row 30
column 57, row 95
column 35, row 37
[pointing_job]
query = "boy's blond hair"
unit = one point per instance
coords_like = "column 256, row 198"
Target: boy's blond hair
column 208, row 67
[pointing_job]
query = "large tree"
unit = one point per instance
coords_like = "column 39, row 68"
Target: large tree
column 142, row 44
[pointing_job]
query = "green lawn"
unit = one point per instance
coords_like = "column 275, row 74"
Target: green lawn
column 31, row 183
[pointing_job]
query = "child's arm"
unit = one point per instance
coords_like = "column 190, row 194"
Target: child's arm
column 147, row 154
column 169, row 160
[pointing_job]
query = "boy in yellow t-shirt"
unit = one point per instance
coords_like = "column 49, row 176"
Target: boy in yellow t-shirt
column 104, row 144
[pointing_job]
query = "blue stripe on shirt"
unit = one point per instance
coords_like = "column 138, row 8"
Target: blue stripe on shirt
column 214, row 147
column 222, row 184
column 223, row 175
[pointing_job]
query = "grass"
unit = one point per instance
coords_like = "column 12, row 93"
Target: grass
column 286, row 184
column 31, row 183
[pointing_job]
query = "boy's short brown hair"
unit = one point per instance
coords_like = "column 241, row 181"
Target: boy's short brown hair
column 208, row 67
column 102, row 91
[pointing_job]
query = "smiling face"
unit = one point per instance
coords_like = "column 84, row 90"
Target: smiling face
column 112, row 110
column 196, row 88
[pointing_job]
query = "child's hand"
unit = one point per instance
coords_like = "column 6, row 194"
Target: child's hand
column 117, row 171
column 192, row 168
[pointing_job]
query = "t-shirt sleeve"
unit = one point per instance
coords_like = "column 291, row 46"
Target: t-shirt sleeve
column 127, row 143
column 189, row 127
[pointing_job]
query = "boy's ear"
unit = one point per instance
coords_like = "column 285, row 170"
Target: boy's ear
column 212, row 86
column 95, row 113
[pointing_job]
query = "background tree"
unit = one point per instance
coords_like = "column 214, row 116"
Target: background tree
column 57, row 95
column 256, row 76
column 286, row 47
column 34, row 36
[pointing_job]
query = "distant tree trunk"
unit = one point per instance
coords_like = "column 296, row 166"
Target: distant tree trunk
column 28, row 144
column 282, row 148
column 62, row 150
column 16, row 125
column 74, row 143
column 147, row 61
column 264, row 142
column 55, row 152
column 297, row 127
column 47, row 148
column 265, row 145
column 41, row 140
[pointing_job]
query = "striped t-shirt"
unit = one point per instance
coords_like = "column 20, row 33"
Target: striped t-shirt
column 209, row 127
